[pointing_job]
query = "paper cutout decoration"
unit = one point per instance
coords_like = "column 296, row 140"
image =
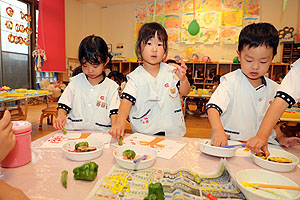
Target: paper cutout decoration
column 229, row 35
column 251, row 7
column 172, row 6
column 232, row 18
column 232, row 4
column 39, row 58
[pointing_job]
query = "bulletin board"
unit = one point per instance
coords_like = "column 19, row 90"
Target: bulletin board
column 220, row 21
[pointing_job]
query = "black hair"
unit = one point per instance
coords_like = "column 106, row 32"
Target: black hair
column 171, row 61
column 259, row 34
column 118, row 77
column 216, row 78
column 91, row 49
column 146, row 32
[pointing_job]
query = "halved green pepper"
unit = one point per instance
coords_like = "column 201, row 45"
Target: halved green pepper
column 88, row 171
column 81, row 144
column 129, row 154
column 155, row 192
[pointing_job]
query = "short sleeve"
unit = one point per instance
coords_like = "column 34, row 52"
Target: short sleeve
column 289, row 89
column 130, row 91
column 115, row 103
column 220, row 99
column 65, row 101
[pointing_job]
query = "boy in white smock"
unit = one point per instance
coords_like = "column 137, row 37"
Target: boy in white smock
column 238, row 105
column 91, row 100
column 287, row 95
column 151, row 97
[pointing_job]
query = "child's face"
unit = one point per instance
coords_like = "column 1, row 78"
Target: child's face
column 93, row 71
column 153, row 52
column 255, row 62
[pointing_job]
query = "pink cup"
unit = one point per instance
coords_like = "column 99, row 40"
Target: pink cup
column 21, row 153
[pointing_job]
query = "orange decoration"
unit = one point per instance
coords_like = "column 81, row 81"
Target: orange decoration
column 10, row 11
column 9, row 25
column 21, row 40
column 27, row 17
column 22, row 29
column 26, row 41
column 28, row 30
column 17, row 40
column 11, row 38
column 17, row 27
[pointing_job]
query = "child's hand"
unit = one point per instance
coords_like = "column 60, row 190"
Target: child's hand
column 117, row 130
column 7, row 137
column 60, row 122
column 258, row 144
column 288, row 141
column 219, row 139
column 180, row 71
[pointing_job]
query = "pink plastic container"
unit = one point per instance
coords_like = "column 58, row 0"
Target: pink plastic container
column 21, row 153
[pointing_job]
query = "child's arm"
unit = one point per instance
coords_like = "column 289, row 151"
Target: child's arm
column 118, row 127
column 274, row 112
column 60, row 121
column 219, row 137
column 7, row 137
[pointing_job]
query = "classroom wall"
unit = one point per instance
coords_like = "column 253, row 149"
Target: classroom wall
column 116, row 25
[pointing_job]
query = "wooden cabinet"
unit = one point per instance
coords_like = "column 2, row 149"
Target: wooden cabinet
column 290, row 52
column 202, row 73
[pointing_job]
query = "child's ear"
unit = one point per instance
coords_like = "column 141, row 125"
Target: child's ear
column 239, row 55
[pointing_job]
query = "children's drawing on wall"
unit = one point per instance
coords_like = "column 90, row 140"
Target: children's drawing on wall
column 286, row 34
column 209, row 35
column 188, row 6
column 159, row 19
column 136, row 30
column 174, row 35
column 232, row 18
column 209, row 19
column 229, row 35
column 140, row 13
column 251, row 7
column 232, row 4
column 210, row 5
column 159, row 10
column 187, row 18
column 250, row 20
column 172, row 6
column 187, row 38
column 172, row 21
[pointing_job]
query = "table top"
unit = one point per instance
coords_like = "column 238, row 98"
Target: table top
column 7, row 99
column 40, row 179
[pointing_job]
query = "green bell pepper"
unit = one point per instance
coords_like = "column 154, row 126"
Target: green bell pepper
column 81, row 144
column 88, row 171
column 155, row 192
column 129, row 154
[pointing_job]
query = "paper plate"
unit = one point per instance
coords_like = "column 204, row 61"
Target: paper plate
column 206, row 148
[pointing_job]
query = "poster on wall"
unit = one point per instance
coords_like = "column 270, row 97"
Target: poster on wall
column 232, row 18
column 229, row 35
column 187, row 18
column 251, row 7
column 172, row 21
column 172, row 6
column 188, row 38
column 209, row 35
column 210, row 5
column 159, row 19
column 209, row 19
column 232, row 4
column 140, row 13
column 159, row 8
column 250, row 19
column 173, row 35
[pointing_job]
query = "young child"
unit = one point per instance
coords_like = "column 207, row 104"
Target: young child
column 287, row 95
column 91, row 100
column 151, row 97
column 238, row 105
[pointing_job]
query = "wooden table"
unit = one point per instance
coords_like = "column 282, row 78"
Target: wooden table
column 40, row 179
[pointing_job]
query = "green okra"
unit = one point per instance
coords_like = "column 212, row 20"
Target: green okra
column 64, row 177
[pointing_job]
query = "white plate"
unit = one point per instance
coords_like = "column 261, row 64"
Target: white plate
column 206, row 147
column 275, row 166
column 139, row 150
column 265, row 177
column 81, row 156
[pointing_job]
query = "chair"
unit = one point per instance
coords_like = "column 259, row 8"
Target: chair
column 48, row 112
column 19, row 114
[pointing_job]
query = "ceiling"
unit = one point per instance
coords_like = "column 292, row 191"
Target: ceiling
column 105, row 3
